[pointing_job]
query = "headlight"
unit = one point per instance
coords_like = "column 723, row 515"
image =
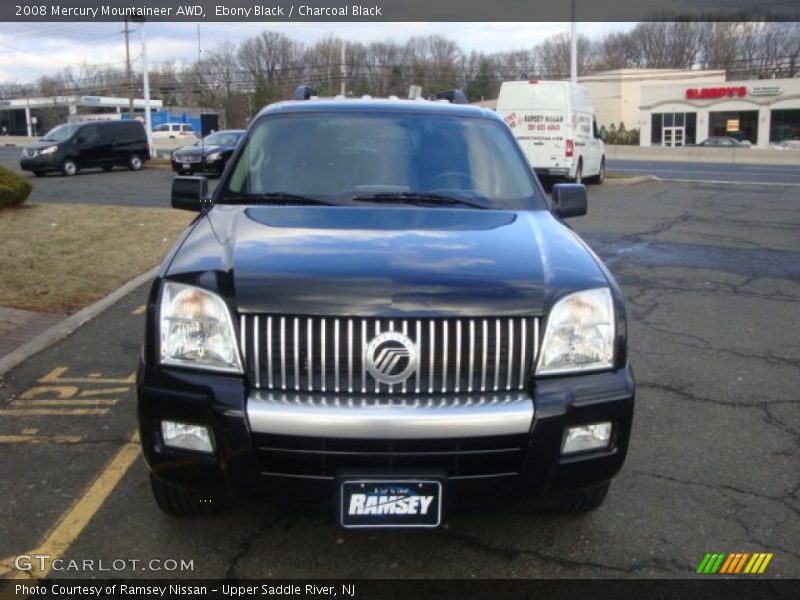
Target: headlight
column 213, row 156
column 48, row 150
column 196, row 329
column 580, row 334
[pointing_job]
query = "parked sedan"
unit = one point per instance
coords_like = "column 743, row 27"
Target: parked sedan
column 723, row 141
column 207, row 155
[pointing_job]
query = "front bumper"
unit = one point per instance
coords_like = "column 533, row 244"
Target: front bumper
column 44, row 162
column 291, row 447
column 197, row 167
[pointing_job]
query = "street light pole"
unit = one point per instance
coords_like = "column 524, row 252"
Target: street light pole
column 128, row 69
column 148, row 125
column 573, row 48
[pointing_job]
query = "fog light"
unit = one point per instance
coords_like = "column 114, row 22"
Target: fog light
column 586, row 437
column 186, row 436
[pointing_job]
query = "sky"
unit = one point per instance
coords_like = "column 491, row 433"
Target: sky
column 30, row 50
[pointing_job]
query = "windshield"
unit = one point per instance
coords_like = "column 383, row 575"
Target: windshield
column 339, row 157
column 220, row 138
column 60, row 133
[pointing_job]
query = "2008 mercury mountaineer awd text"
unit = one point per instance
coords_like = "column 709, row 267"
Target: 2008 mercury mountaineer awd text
column 379, row 310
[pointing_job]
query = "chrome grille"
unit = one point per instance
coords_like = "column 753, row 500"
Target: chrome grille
column 326, row 354
column 188, row 158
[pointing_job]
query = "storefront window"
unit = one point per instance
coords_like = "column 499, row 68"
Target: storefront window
column 655, row 129
column 691, row 128
column 673, row 129
column 784, row 126
column 742, row 125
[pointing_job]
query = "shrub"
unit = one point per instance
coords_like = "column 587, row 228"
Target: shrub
column 622, row 136
column 14, row 190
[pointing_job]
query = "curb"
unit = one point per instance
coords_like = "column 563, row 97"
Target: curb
column 631, row 180
column 61, row 330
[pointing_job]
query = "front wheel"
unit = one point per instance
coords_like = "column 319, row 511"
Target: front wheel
column 583, row 502
column 69, row 167
column 135, row 162
column 174, row 501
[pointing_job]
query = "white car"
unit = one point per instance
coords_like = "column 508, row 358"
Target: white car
column 554, row 124
column 182, row 131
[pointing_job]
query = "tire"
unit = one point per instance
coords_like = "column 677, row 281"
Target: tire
column 583, row 502
column 135, row 162
column 601, row 176
column 40, row 173
column 579, row 172
column 107, row 168
column 69, row 167
column 176, row 502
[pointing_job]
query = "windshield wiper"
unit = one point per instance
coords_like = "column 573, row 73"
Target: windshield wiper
column 275, row 197
column 419, row 199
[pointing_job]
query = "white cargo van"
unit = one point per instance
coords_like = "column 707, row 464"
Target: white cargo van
column 554, row 124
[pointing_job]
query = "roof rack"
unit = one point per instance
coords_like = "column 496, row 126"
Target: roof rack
column 304, row 92
column 455, row 96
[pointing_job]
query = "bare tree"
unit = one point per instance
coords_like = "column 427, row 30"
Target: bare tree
column 271, row 60
column 553, row 56
column 665, row 45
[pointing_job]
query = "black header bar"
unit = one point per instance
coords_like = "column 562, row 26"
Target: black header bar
column 277, row 11
column 705, row 587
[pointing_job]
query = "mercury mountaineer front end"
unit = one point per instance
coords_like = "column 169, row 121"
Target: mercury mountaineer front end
column 391, row 320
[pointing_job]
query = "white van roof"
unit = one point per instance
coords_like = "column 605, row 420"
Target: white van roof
column 543, row 94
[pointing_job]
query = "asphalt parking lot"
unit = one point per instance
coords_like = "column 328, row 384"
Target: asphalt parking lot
column 712, row 276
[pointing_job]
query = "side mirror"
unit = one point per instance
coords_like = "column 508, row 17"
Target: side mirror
column 569, row 200
column 190, row 193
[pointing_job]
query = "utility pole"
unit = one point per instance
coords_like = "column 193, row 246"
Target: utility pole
column 128, row 69
column 343, row 68
column 573, row 48
column 148, row 125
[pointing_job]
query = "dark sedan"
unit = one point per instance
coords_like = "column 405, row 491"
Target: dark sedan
column 208, row 155
column 722, row 141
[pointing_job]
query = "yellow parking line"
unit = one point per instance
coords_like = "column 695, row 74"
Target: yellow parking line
column 105, row 391
column 66, row 402
column 55, row 376
column 42, row 439
column 139, row 310
column 38, row 412
column 73, row 522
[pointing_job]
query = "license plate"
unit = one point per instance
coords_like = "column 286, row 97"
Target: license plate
column 187, row 165
column 382, row 503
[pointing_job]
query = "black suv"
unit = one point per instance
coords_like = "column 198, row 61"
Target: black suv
column 73, row 146
column 379, row 310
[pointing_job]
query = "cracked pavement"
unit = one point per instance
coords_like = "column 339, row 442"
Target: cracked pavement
column 712, row 278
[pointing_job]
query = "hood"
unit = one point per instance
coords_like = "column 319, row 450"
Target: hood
column 42, row 144
column 387, row 261
column 196, row 150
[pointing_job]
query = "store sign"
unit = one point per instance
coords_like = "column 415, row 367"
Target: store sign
column 715, row 93
column 765, row 90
